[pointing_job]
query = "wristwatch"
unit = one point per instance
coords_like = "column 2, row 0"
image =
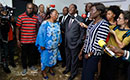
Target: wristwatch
column 89, row 54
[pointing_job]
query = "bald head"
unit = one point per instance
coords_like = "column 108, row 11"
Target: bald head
column 29, row 8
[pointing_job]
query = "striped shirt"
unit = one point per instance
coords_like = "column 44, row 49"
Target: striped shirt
column 95, row 32
column 27, row 27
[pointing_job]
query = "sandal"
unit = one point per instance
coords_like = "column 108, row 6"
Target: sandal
column 51, row 72
column 45, row 77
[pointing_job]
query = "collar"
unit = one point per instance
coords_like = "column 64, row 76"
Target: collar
column 30, row 15
column 66, row 16
column 75, row 15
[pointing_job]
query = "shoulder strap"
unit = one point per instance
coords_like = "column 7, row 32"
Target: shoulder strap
column 116, row 27
column 126, row 34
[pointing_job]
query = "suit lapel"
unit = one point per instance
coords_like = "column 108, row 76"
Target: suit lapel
column 67, row 23
column 74, row 23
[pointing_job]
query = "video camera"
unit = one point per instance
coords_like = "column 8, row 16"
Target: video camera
column 6, row 12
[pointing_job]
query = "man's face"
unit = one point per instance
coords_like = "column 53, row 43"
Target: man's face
column 29, row 8
column 72, row 10
column 65, row 11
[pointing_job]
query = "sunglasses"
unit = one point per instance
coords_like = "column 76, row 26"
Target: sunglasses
column 29, row 8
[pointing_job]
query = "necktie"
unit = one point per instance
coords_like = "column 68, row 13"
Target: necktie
column 63, row 19
column 70, row 23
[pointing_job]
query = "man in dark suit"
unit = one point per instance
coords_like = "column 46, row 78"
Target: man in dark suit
column 73, row 38
column 62, row 20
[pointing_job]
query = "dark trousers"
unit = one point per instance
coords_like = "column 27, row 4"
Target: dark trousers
column 109, row 65
column 128, row 72
column 90, row 66
column 11, row 47
column 72, row 59
column 4, row 51
column 63, row 55
column 113, row 68
column 28, row 55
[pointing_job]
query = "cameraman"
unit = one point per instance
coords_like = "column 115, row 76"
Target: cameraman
column 4, row 29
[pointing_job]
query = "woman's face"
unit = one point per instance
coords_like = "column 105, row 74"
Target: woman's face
column 87, row 7
column 110, row 15
column 54, row 15
column 41, row 8
column 94, row 12
column 121, row 20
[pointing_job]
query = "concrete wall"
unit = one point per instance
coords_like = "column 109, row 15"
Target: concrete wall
column 6, row 2
column 81, row 3
column 124, row 4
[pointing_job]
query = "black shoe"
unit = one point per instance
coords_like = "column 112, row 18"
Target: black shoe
column 66, row 71
column 13, row 65
column 71, row 77
column 6, row 69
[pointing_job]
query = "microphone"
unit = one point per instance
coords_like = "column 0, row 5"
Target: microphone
column 84, row 15
column 75, row 19
column 52, row 5
column 104, row 46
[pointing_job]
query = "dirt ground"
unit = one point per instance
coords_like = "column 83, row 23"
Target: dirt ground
column 31, row 75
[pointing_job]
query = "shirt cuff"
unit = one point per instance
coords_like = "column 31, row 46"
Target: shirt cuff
column 126, row 54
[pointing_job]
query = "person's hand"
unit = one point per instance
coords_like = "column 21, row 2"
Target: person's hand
column 88, row 55
column 48, row 6
column 112, row 32
column 59, row 44
column 118, row 52
column 62, row 32
column 19, row 44
column 83, row 25
column 80, row 55
column 42, row 48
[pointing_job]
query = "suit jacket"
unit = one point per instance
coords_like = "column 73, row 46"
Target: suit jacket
column 60, row 18
column 129, row 59
column 62, row 24
column 74, row 34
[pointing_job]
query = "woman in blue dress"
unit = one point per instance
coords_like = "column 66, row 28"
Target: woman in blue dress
column 47, row 41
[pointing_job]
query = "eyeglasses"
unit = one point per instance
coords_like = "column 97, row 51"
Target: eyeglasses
column 29, row 8
column 120, row 18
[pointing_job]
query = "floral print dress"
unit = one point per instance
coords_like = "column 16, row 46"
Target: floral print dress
column 49, row 36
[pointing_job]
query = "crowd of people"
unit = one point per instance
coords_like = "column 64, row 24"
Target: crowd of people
column 71, row 40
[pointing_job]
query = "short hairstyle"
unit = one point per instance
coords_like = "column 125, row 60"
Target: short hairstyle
column 66, row 7
column 100, row 7
column 40, row 5
column 116, row 10
column 74, row 5
column 29, row 4
column 49, row 13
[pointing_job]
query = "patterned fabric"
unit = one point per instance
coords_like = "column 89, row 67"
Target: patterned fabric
column 27, row 27
column 96, row 32
column 119, row 32
column 49, row 36
column 40, row 19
